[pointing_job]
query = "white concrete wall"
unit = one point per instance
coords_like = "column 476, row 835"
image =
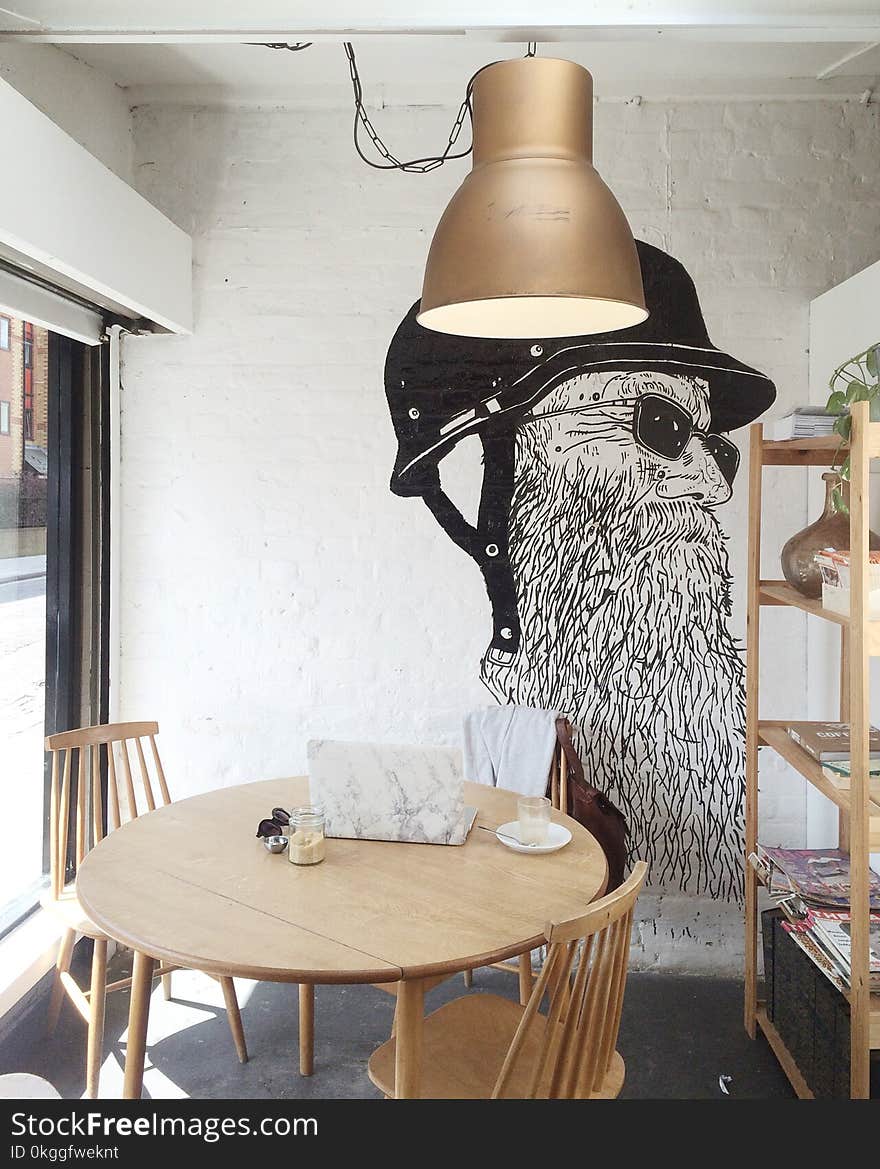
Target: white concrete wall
column 272, row 587
column 83, row 102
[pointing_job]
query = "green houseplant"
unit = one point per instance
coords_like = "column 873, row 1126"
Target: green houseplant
column 857, row 380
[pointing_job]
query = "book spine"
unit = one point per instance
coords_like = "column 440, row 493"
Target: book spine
column 804, row 745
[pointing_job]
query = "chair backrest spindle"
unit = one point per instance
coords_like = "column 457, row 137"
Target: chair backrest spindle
column 145, row 777
column 112, row 788
column 577, row 1043
column 97, row 802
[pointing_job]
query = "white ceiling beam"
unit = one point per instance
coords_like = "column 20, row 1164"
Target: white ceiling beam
column 832, row 34
column 88, row 231
column 207, row 21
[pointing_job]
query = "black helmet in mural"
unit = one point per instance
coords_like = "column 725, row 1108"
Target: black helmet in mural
column 444, row 388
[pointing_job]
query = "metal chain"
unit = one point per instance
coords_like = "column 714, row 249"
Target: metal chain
column 297, row 48
column 414, row 165
column 362, row 119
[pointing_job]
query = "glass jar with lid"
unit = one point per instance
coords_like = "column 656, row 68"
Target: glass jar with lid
column 306, row 836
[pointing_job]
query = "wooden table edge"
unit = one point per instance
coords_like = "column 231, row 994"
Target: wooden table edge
column 384, row 973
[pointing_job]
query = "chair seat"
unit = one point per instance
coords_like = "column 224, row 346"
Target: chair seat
column 72, row 915
column 465, row 1043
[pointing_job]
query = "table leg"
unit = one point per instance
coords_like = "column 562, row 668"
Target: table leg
column 410, row 1018
column 306, row 1028
column 138, row 1017
column 525, row 977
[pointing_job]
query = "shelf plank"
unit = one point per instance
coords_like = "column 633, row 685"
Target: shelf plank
column 815, row 452
column 780, row 592
column 774, row 735
column 803, row 452
column 786, row 1059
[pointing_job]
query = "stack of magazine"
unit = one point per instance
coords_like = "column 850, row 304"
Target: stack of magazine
column 804, row 422
column 812, row 887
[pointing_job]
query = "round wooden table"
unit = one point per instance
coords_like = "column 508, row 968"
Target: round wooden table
column 189, row 884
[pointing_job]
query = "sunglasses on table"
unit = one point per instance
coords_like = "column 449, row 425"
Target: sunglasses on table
column 665, row 428
column 275, row 825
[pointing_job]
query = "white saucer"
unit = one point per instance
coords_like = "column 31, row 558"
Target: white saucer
column 558, row 837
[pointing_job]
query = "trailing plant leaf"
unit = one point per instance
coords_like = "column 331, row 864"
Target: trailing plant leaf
column 857, row 380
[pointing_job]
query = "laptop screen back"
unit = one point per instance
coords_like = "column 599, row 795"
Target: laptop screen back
column 377, row 791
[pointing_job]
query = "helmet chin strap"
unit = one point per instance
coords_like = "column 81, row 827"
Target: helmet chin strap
column 486, row 543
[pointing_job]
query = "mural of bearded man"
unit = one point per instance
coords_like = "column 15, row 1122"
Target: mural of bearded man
column 605, row 458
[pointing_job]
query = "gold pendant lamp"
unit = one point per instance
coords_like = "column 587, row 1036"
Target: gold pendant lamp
column 532, row 244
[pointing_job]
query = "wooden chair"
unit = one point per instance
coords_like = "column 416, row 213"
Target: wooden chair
column 76, row 824
column 483, row 1046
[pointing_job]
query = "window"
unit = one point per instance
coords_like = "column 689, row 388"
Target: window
column 4, row 332
column 52, row 587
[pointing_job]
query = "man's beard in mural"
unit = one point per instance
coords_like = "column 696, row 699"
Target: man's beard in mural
column 623, row 588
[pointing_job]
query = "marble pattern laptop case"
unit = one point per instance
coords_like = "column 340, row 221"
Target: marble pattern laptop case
column 377, row 791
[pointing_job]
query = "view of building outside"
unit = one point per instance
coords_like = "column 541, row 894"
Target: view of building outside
column 24, row 369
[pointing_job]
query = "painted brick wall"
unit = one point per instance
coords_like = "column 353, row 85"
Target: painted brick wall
column 272, row 588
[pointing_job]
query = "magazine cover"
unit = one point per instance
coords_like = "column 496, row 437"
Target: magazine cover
column 834, row 930
column 820, row 876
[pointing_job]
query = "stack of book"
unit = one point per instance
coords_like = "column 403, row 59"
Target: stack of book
column 828, row 744
column 813, row 890
column 804, row 422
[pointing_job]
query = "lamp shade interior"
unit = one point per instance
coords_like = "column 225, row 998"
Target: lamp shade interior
column 532, row 316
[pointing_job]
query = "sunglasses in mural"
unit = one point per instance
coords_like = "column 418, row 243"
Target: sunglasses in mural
column 664, row 428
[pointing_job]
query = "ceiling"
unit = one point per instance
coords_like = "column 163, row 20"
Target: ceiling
column 425, row 70
column 425, row 52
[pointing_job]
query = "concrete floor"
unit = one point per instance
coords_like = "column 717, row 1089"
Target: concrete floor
column 678, row 1036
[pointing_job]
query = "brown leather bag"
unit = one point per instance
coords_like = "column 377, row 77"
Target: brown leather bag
column 594, row 810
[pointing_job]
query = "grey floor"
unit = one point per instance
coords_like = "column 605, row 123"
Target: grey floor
column 679, row 1035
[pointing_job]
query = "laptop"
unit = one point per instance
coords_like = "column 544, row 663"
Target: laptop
column 376, row 791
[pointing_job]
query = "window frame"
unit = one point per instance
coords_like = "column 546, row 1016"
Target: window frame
column 8, row 321
column 6, row 430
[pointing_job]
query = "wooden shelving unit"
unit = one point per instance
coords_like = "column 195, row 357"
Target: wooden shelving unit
column 858, row 809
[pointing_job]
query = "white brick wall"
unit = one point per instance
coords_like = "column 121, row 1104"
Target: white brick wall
column 272, row 588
